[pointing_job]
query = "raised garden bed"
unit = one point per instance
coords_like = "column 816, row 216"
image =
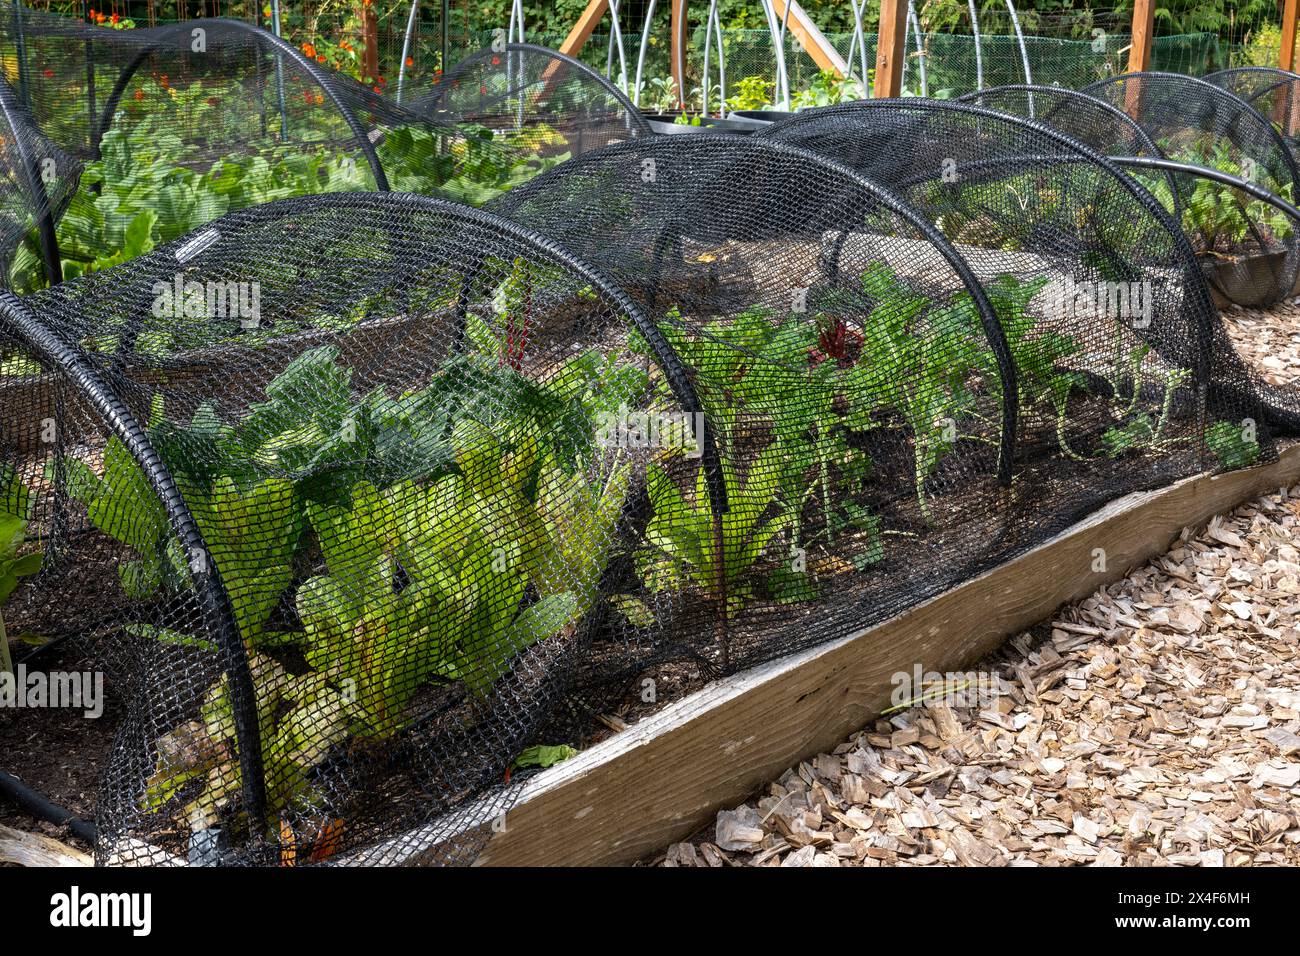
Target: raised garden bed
column 661, row 779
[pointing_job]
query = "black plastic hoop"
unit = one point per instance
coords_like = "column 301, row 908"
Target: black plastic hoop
column 280, row 46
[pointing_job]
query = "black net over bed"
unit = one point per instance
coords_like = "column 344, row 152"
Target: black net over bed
column 182, row 123
column 1093, row 122
column 1018, row 196
column 370, row 501
column 335, row 472
column 534, row 100
column 1251, row 250
column 1274, row 94
column 37, row 181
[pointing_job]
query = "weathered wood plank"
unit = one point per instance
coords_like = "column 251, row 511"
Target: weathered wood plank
column 35, row 849
column 664, row 777
column 890, row 49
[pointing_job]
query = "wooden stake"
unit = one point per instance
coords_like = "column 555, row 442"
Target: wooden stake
column 679, row 50
column 584, row 28
column 370, row 53
column 1144, row 24
column 801, row 26
column 890, row 49
column 1286, row 56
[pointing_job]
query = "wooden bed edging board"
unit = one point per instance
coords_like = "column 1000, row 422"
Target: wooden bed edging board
column 663, row 778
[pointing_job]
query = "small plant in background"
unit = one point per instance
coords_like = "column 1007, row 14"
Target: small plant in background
column 1234, row 445
column 660, row 94
column 827, row 89
column 751, row 93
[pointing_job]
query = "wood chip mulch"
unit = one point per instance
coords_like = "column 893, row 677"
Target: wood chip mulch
column 1156, row 723
column 1268, row 339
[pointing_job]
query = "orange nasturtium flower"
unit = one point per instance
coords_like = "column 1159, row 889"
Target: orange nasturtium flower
column 410, row 61
column 139, row 94
column 320, row 57
column 114, row 18
column 309, row 50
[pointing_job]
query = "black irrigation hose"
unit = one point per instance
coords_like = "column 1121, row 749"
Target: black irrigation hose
column 1215, row 175
column 38, row 805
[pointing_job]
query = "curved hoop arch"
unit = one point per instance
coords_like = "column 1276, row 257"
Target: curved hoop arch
column 685, row 148
column 1251, row 82
column 42, row 209
column 1201, row 303
column 1001, row 94
column 1263, row 132
column 281, row 47
column 1062, row 103
column 214, row 601
column 33, row 322
column 1260, row 86
column 638, row 126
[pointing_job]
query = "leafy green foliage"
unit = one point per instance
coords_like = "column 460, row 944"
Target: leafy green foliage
column 684, row 537
column 1233, row 445
column 15, row 509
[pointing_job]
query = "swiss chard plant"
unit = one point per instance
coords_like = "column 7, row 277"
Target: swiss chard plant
column 16, row 561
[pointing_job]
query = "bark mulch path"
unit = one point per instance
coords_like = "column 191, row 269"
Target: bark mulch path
column 1155, row 723
column 1268, row 339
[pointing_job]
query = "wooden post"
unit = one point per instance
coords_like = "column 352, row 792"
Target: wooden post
column 1144, row 25
column 1286, row 56
column 890, row 49
column 583, row 29
column 678, row 50
column 370, row 49
column 811, row 39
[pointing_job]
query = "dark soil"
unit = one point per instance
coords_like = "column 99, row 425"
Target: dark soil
column 58, row 752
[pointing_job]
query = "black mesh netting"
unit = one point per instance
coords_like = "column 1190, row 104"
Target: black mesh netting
column 369, row 501
column 1250, row 248
column 535, row 98
column 360, row 433
column 1093, row 122
column 1274, row 93
column 1008, row 190
column 179, row 124
column 37, row 180
column 363, row 496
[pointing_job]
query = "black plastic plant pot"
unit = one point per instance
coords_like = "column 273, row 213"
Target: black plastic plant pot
column 1253, row 281
column 705, row 124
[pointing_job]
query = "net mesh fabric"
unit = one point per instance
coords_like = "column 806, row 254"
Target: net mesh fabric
column 1093, row 122
column 1018, row 197
column 1254, row 246
column 1273, row 93
column 199, row 118
column 536, row 99
column 363, row 496
column 37, row 178
column 389, row 451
